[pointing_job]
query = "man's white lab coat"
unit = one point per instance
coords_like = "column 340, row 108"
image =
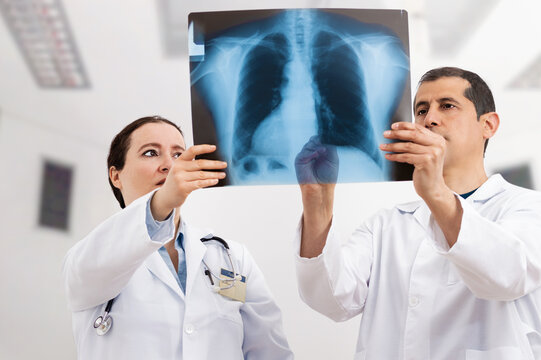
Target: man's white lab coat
column 421, row 300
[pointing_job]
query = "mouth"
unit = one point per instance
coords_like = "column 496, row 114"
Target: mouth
column 160, row 183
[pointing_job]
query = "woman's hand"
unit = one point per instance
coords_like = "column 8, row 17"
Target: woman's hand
column 185, row 176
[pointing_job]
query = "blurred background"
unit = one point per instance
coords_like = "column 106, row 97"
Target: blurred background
column 73, row 73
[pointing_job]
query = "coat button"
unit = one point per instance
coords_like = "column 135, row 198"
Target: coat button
column 189, row 329
column 413, row 301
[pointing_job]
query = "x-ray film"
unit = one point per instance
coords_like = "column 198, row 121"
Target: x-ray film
column 266, row 85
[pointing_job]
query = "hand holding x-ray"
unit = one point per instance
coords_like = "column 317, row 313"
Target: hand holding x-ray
column 317, row 163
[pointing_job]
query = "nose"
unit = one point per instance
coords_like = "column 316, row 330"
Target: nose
column 166, row 164
column 431, row 119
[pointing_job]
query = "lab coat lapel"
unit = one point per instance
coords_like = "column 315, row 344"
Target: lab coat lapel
column 422, row 215
column 195, row 252
column 157, row 266
column 493, row 186
column 419, row 210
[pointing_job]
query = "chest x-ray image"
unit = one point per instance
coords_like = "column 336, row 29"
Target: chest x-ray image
column 266, row 82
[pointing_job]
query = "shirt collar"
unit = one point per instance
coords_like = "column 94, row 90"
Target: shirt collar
column 490, row 188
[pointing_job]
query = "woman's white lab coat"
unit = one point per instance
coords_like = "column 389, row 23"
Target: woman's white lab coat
column 152, row 317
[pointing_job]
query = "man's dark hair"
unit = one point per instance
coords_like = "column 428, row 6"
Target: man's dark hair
column 478, row 93
column 121, row 144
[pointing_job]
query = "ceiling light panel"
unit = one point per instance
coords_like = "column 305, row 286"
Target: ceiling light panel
column 529, row 78
column 41, row 30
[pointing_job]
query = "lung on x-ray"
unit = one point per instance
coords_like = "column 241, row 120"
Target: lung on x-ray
column 266, row 82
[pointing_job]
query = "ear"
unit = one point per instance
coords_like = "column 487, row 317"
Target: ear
column 490, row 122
column 114, row 175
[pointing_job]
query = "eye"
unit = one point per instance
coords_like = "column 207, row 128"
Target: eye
column 150, row 153
column 177, row 155
column 448, row 106
column 421, row 112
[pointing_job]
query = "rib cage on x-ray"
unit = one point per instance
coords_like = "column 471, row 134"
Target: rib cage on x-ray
column 250, row 71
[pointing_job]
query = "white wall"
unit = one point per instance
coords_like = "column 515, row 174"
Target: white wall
column 35, row 322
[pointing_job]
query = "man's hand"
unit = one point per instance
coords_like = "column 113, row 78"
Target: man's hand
column 425, row 150
column 422, row 148
column 317, row 163
column 317, row 171
column 185, row 176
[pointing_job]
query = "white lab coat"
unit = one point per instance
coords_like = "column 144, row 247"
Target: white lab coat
column 421, row 300
column 152, row 317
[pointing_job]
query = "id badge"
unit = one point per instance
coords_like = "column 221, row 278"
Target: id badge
column 237, row 291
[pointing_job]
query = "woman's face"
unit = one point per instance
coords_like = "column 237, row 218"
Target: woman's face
column 153, row 148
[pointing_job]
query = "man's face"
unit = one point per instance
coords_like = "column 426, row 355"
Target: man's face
column 441, row 106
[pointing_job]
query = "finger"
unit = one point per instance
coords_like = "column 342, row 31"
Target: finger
column 312, row 145
column 202, row 175
column 200, row 184
column 404, row 147
column 413, row 159
column 418, row 136
column 403, row 125
column 308, row 155
column 195, row 150
column 202, row 164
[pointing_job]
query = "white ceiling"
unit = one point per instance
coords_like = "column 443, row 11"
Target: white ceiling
column 122, row 49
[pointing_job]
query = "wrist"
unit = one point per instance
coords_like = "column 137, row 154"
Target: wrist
column 159, row 210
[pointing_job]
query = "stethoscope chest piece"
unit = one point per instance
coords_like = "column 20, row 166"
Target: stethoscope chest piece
column 103, row 326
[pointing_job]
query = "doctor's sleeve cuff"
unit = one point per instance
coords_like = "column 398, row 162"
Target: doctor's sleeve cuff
column 314, row 277
column 159, row 231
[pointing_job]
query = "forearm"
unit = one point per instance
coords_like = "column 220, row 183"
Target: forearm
column 498, row 255
column 160, row 210
column 447, row 212
column 317, row 219
column 336, row 282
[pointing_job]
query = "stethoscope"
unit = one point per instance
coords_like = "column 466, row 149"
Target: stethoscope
column 229, row 282
column 103, row 323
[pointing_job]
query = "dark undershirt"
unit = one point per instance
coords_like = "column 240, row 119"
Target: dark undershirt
column 465, row 196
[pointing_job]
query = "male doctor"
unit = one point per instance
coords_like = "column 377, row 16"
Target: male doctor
column 454, row 276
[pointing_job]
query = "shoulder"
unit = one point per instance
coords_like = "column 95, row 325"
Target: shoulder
column 511, row 196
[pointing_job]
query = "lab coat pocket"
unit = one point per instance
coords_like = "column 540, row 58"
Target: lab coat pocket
column 501, row 353
column 361, row 355
column 228, row 309
column 534, row 340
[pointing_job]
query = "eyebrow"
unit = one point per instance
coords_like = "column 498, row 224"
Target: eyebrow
column 175, row 147
column 441, row 100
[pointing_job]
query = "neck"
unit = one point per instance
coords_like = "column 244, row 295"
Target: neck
column 462, row 181
column 177, row 220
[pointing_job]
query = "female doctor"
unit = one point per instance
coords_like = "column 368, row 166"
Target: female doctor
column 170, row 297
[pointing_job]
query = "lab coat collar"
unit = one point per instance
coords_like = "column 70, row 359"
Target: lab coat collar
column 490, row 188
column 159, row 268
column 195, row 252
